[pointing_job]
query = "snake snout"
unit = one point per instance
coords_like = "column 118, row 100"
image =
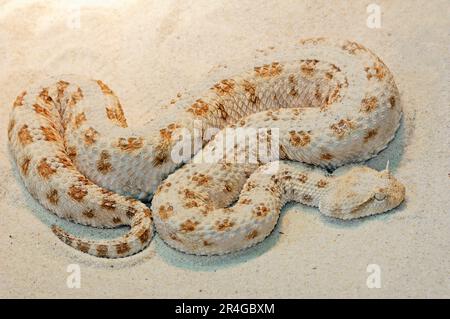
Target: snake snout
column 396, row 193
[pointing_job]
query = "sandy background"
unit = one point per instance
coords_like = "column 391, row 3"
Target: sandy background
column 147, row 51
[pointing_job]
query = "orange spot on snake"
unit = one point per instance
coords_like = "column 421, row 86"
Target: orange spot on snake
column 25, row 135
column 188, row 226
column 44, row 169
column 104, row 165
column 299, row 139
column 269, row 70
column 369, row 104
column 19, row 99
column 53, row 197
column 77, row 192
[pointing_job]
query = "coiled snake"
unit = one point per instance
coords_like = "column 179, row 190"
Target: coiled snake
column 335, row 105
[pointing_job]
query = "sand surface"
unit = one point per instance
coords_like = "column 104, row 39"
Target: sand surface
column 148, row 51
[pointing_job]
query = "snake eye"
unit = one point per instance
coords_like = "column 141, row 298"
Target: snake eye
column 380, row 196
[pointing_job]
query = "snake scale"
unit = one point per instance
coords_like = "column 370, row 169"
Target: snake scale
column 336, row 104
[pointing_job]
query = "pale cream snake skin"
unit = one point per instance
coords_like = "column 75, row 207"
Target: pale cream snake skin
column 334, row 105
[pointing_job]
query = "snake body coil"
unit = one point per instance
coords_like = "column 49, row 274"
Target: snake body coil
column 335, row 105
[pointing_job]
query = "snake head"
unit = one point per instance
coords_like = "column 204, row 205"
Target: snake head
column 359, row 191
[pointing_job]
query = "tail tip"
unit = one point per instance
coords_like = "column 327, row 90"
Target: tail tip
column 61, row 234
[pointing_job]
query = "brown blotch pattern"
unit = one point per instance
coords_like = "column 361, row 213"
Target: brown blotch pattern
column 175, row 238
column 90, row 136
column 162, row 149
column 116, row 115
column 130, row 144
column 72, row 152
column 131, row 211
column 24, row 135
column 44, row 169
column 104, row 88
column 11, row 125
column 25, row 165
column 80, row 118
column 343, row 127
column 245, row 201
column 250, row 89
column 102, row 250
column 302, row 178
column 332, row 97
column 147, row 212
column 272, row 115
column 191, row 203
column 108, row 204
column 117, row 220
column 163, row 186
column 252, row 234
column 199, row 108
column 308, row 67
column 19, row 99
column 223, row 112
column 122, row 248
column 299, row 139
column 84, row 181
column 188, row 226
column 293, row 85
column 83, row 247
column 206, row 243
column 261, row 210
column 318, row 93
column 53, row 197
column 61, row 87
column 161, row 157
column 89, row 213
column 104, row 165
column 370, row 134
column 143, row 235
column 165, row 211
column 369, row 104
column 322, row 183
column 77, row 192
column 283, row 152
column 64, row 160
column 105, row 191
column 307, row 198
column 326, row 156
column 249, row 186
column 392, row 101
column 296, row 111
column 50, row 134
column 43, row 111
column 224, row 87
column 329, row 75
column 75, row 97
column 269, row 70
column 353, row 47
column 313, row 41
column 45, row 97
column 201, row 179
column 224, row 225
column 377, row 71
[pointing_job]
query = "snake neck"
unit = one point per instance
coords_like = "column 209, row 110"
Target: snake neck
column 306, row 186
